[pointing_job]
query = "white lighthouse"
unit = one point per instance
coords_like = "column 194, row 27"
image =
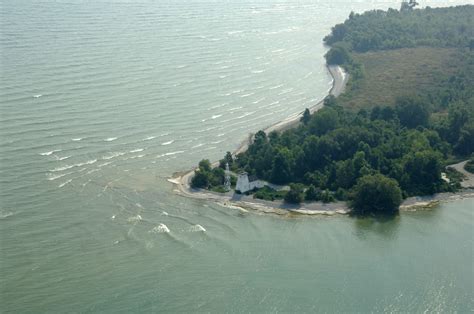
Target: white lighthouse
column 246, row 183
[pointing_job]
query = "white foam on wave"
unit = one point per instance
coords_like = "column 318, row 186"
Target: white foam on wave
column 247, row 95
column 245, row 115
column 167, row 143
column 198, row 145
column 136, row 150
column 149, row 138
column 197, row 228
column 54, row 177
column 276, row 86
column 65, row 183
column 89, row 162
column 113, row 155
column 221, row 134
column 50, row 152
column 5, row 214
column 223, row 76
column 104, row 164
column 235, row 108
column 37, row 96
column 110, row 139
column 234, row 32
column 136, row 218
column 259, row 100
column 216, row 116
column 62, row 158
column 258, row 71
column 170, row 153
column 161, row 228
column 76, row 139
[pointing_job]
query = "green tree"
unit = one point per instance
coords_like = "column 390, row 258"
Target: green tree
column 296, row 194
column 412, row 111
column 200, row 180
column 376, row 194
column 306, row 116
column 311, row 194
column 205, row 165
column 338, row 55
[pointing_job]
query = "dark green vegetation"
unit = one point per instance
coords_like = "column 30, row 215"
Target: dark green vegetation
column 376, row 193
column 408, row 109
column 207, row 177
column 383, row 30
column 469, row 166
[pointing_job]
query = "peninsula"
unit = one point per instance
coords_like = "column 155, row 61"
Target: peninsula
column 404, row 112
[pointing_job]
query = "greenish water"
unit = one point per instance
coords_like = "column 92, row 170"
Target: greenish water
column 102, row 101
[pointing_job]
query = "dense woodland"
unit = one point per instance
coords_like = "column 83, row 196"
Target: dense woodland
column 376, row 156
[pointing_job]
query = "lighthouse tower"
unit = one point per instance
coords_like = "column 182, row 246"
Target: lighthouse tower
column 227, row 177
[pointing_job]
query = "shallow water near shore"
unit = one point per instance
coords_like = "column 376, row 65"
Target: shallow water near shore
column 102, row 101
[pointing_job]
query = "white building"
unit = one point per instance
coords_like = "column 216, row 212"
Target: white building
column 246, row 183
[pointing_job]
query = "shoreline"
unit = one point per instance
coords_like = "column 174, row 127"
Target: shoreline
column 182, row 179
column 244, row 203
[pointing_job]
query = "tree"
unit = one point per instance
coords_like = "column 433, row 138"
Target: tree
column 205, row 165
column 200, row 180
column 376, row 194
column 412, row 111
column 311, row 194
column 281, row 169
column 296, row 194
column 338, row 55
column 306, row 116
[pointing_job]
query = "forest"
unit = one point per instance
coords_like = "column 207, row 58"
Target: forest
column 378, row 155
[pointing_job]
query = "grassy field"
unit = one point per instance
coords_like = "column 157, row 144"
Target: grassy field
column 392, row 73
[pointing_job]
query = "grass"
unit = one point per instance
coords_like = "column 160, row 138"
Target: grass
column 393, row 73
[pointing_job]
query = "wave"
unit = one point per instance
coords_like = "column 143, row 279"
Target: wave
column 37, row 96
column 167, row 143
column 277, row 86
column 5, row 214
column 149, row 138
column 50, row 152
column 161, row 228
column 113, row 155
column 198, row 145
column 216, row 116
column 247, row 95
column 76, row 139
column 89, row 162
column 110, row 139
column 62, row 158
column 136, row 150
column 135, row 219
column 259, row 100
column 245, row 115
column 65, row 183
column 258, row 71
column 54, row 177
column 171, row 153
column 197, row 228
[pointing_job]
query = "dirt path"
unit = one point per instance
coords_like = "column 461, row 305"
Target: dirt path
column 469, row 181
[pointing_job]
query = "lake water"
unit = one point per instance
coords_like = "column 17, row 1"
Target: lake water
column 101, row 101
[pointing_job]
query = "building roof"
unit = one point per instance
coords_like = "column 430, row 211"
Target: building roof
column 253, row 178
